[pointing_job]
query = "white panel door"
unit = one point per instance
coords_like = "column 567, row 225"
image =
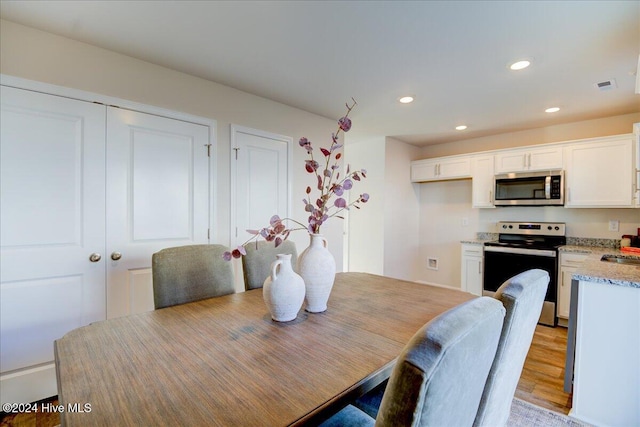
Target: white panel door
column 52, row 219
column 260, row 183
column 157, row 197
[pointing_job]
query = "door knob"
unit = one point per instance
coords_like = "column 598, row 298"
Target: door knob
column 95, row 257
column 116, row 256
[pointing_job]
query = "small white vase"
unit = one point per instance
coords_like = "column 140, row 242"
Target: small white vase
column 317, row 267
column 283, row 291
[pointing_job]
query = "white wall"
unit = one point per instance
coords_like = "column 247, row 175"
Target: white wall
column 41, row 56
column 366, row 228
column 402, row 212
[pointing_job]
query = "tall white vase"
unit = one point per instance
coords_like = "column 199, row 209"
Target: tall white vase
column 317, row 267
column 283, row 291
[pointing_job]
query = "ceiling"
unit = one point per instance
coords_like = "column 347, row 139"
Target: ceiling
column 452, row 56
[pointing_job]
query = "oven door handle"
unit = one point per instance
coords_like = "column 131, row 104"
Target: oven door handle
column 521, row 251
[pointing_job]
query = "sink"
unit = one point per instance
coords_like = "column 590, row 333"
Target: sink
column 621, row 259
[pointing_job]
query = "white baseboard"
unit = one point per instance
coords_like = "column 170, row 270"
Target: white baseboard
column 29, row 385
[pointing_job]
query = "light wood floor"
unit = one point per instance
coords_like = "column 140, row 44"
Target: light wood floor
column 541, row 381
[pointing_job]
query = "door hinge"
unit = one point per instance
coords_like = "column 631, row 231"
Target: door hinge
column 236, row 150
column 208, row 149
column 208, row 233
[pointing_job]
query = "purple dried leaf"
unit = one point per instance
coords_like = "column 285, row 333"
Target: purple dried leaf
column 274, row 220
column 340, row 203
column 345, row 124
column 227, row 256
column 326, row 152
column 347, row 184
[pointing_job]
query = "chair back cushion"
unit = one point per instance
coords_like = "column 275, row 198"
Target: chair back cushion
column 439, row 376
column 522, row 296
column 256, row 264
column 190, row 273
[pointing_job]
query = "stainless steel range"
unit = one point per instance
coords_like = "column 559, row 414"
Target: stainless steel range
column 522, row 246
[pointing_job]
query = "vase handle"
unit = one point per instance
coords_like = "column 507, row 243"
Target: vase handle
column 274, row 268
column 325, row 242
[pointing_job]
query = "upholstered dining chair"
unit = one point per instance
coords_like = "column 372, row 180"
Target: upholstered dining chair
column 439, row 377
column 190, row 273
column 523, row 297
column 256, row 264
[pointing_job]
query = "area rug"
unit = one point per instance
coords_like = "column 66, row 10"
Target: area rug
column 525, row 414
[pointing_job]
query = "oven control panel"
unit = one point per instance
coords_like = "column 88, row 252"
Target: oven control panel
column 532, row 228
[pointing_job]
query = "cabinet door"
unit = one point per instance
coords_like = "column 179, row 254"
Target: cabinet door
column 482, row 182
column 600, row 173
column 424, row 170
column 568, row 265
column 157, row 197
column 51, row 222
column 452, row 168
column 531, row 159
column 511, row 161
column 545, row 158
column 471, row 272
column 440, row 169
column 564, row 291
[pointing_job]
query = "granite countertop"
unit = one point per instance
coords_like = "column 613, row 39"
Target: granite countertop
column 594, row 270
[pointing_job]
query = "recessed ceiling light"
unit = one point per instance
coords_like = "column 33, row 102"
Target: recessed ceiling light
column 552, row 110
column 520, row 65
column 461, row 127
column 406, row 99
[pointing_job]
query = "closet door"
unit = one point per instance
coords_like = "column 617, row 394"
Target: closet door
column 52, row 232
column 157, row 197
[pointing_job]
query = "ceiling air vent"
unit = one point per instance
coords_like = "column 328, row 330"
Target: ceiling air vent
column 606, row 85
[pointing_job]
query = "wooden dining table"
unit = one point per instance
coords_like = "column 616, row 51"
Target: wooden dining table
column 224, row 362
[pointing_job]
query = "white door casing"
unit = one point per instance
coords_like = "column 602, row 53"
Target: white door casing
column 157, row 197
column 52, row 219
column 260, row 183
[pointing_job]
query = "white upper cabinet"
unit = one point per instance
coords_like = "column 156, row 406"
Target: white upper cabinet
column 482, row 181
column 442, row 168
column 529, row 159
column 599, row 173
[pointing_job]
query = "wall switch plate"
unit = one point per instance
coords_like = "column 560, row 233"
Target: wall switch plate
column 465, row 222
column 614, row 225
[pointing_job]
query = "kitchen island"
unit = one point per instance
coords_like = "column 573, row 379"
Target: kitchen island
column 604, row 337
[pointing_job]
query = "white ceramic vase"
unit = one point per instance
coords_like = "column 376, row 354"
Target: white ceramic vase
column 317, row 267
column 283, row 291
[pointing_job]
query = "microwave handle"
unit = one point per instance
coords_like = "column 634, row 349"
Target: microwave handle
column 547, row 187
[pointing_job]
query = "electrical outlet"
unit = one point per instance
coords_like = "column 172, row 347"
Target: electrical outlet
column 465, row 222
column 614, row 225
column 432, row 263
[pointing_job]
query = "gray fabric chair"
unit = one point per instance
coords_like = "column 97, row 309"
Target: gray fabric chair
column 440, row 375
column 190, row 273
column 256, row 264
column 522, row 296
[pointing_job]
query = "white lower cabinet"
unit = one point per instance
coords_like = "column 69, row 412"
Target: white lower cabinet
column 569, row 262
column 471, row 271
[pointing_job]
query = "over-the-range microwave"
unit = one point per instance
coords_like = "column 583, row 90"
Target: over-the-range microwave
column 529, row 189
